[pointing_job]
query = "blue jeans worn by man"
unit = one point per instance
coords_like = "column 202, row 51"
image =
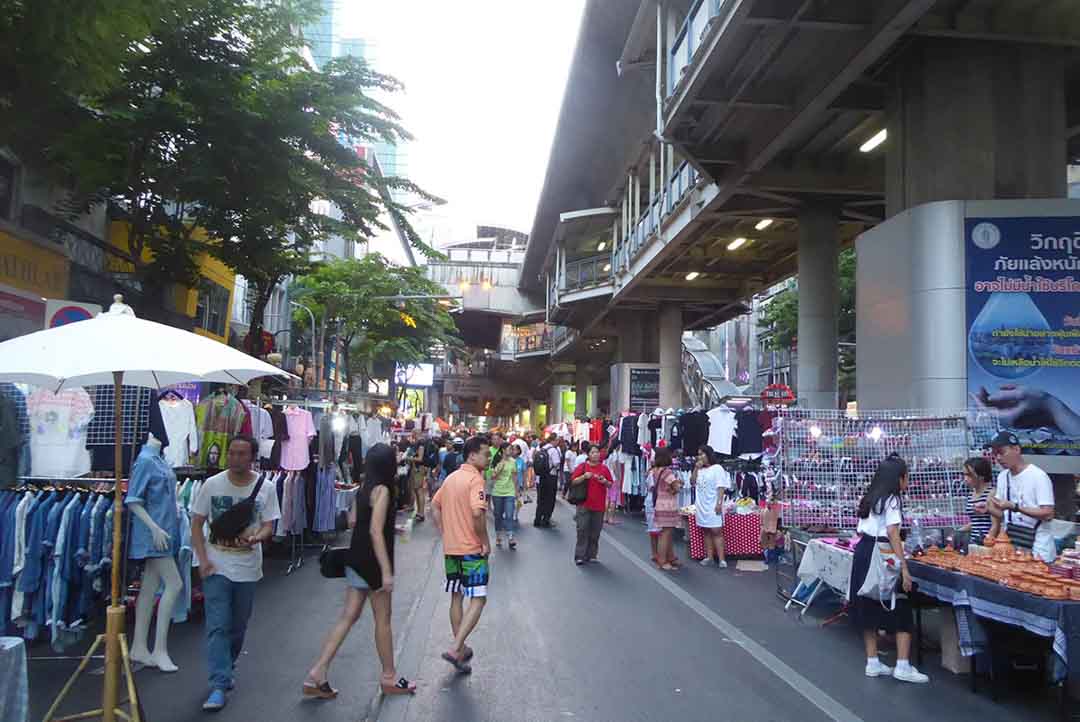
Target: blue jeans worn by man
column 228, row 609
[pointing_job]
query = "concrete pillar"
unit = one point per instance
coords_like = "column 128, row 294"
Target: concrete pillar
column 972, row 120
column 669, row 337
column 818, row 308
column 581, row 390
column 631, row 343
column 554, row 415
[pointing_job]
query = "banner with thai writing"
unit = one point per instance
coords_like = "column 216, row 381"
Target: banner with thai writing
column 1023, row 324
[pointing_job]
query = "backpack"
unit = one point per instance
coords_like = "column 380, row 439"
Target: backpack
column 451, row 463
column 431, row 455
column 542, row 462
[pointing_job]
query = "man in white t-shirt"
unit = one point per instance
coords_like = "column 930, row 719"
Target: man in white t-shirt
column 230, row 567
column 1024, row 498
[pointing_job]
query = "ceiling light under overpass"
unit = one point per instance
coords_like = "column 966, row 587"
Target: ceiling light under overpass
column 692, row 275
column 607, row 267
column 736, row 244
column 875, row 141
column 602, row 246
column 763, row 224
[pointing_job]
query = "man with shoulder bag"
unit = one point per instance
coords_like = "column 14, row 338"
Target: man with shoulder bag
column 241, row 510
column 1024, row 499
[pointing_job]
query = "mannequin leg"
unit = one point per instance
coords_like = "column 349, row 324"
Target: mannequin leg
column 156, row 571
column 173, row 585
column 144, row 610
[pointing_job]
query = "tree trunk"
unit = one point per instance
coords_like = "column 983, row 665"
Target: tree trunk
column 347, row 360
column 320, row 353
column 253, row 342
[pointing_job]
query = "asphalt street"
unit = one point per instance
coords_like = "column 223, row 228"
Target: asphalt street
column 616, row 641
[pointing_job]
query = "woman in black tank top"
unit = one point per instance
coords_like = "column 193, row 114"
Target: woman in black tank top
column 369, row 572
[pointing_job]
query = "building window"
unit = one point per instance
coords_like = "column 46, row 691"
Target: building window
column 213, row 308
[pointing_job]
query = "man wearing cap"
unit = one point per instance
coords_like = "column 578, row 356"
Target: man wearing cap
column 1024, row 499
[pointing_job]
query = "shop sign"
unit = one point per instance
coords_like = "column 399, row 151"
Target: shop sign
column 1023, row 327
column 60, row 313
column 644, row 389
column 778, row 395
column 467, row 387
column 29, row 267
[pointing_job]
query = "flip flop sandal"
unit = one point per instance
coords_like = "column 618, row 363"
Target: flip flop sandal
column 321, row 691
column 403, row 686
column 468, row 654
column 669, row 568
column 459, row 664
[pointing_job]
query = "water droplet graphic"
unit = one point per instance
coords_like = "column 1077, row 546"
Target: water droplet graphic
column 998, row 354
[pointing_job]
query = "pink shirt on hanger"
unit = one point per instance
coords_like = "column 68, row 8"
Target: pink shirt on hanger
column 294, row 451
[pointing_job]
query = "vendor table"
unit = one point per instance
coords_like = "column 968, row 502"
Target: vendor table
column 742, row 534
column 829, row 565
column 973, row 597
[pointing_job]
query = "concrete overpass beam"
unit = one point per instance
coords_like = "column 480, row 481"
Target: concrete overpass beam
column 818, row 308
column 976, row 120
column 670, row 329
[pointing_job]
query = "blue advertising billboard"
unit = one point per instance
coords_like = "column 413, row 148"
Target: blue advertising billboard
column 1023, row 327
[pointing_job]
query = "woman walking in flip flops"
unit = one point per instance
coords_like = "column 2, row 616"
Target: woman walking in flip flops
column 369, row 572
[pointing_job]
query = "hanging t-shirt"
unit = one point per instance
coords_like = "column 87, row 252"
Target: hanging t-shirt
column 301, row 428
column 152, row 484
column 218, row 495
column 748, row 432
column 721, row 429
column 58, row 432
column 643, row 429
column 220, row 418
column 695, row 431
column 179, row 419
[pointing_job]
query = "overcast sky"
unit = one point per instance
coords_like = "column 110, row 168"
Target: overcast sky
column 484, row 82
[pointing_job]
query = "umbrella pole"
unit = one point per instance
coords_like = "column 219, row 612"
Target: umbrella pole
column 114, row 619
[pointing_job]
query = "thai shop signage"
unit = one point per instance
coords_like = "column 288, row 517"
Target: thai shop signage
column 644, row 389
column 1023, row 327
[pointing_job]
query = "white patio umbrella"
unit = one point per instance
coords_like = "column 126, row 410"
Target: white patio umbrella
column 118, row 348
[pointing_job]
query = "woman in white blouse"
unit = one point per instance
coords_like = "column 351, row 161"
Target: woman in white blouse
column 711, row 481
column 880, row 518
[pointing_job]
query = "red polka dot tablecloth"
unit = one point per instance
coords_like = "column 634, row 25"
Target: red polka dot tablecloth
column 742, row 534
column 696, row 537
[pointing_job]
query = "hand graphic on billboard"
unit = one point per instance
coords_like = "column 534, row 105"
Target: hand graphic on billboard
column 1021, row 407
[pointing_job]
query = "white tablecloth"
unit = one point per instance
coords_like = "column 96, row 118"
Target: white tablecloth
column 14, row 691
column 827, row 562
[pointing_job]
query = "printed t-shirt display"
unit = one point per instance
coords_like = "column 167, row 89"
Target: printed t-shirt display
column 152, row 484
column 1030, row 488
column 179, row 418
column 709, row 481
column 458, row 498
column 58, row 432
column 217, row 495
column 721, row 429
column 300, row 428
column 220, row 418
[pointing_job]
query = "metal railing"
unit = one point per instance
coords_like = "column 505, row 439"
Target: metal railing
column 681, row 182
column 587, row 273
column 688, row 39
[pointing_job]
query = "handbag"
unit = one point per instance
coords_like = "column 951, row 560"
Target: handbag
column 332, row 562
column 882, row 577
column 1020, row 535
column 578, row 493
column 232, row 522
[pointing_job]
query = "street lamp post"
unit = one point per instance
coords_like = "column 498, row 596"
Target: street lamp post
column 314, row 355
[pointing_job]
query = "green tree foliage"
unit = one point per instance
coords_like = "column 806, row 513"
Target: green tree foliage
column 206, row 130
column 350, row 296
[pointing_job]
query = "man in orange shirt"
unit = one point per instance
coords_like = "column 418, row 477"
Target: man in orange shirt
column 459, row 511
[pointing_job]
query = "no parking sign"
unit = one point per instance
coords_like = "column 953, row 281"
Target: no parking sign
column 60, row 313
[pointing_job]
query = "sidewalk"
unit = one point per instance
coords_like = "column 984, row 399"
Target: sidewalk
column 292, row 615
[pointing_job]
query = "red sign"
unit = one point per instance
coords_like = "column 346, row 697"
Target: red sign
column 778, row 394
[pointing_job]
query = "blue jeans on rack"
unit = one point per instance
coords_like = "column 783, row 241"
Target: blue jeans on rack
column 228, row 607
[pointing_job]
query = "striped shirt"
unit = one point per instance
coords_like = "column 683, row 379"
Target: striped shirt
column 980, row 523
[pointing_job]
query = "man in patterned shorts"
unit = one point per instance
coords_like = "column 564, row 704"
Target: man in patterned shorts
column 459, row 510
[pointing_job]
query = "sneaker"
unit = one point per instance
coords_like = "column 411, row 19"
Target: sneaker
column 877, row 668
column 721, row 565
column 910, row 674
column 512, row 543
column 579, row 562
column 706, row 562
column 216, row 701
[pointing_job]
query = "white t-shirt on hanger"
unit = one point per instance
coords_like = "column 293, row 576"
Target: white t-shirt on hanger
column 721, row 429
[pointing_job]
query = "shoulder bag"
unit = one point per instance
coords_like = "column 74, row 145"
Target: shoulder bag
column 1020, row 535
column 231, row 523
column 332, row 562
column 882, row 577
column 578, row 493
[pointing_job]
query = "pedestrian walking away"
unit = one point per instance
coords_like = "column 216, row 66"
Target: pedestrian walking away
column 547, row 472
column 230, row 567
column 369, row 573
column 590, row 513
column 460, row 514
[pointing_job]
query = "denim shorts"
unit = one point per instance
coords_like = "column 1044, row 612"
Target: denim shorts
column 354, row 580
